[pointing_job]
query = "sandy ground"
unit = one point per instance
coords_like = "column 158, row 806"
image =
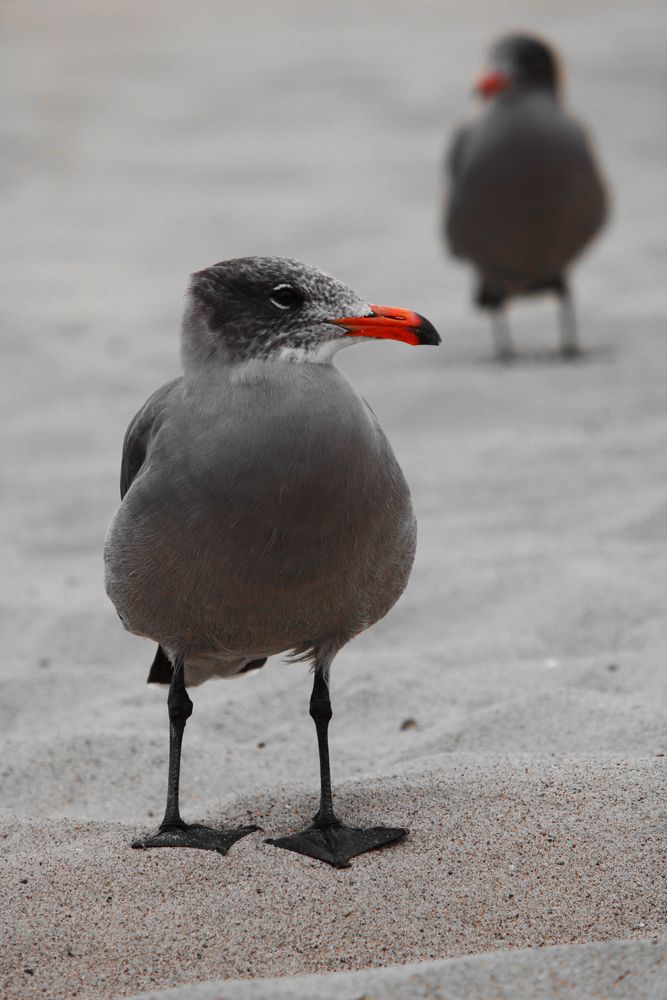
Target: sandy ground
column 615, row 970
column 527, row 656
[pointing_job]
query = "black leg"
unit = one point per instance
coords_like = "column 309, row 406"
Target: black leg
column 173, row 832
column 320, row 713
column 328, row 839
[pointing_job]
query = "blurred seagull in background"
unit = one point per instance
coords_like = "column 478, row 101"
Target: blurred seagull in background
column 525, row 195
column 263, row 510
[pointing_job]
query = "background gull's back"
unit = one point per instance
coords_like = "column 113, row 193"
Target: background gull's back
column 143, row 141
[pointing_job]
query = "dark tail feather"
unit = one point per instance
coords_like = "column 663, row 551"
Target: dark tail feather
column 160, row 672
column 161, row 668
column 253, row 665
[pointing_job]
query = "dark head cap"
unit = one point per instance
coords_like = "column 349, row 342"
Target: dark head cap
column 527, row 61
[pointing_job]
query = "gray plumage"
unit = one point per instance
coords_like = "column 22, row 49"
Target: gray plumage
column 525, row 193
column 263, row 509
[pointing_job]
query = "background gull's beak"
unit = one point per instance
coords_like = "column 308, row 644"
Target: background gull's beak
column 492, row 83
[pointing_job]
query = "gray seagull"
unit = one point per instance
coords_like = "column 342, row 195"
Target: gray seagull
column 263, row 510
column 525, row 194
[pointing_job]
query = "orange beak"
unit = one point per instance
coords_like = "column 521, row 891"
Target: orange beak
column 490, row 84
column 389, row 323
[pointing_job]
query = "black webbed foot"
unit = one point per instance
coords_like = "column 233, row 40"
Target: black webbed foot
column 195, row 835
column 336, row 844
column 328, row 839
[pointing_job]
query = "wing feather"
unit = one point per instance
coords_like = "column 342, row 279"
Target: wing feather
column 138, row 436
column 136, row 443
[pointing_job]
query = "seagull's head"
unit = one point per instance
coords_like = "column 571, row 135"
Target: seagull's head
column 519, row 62
column 272, row 308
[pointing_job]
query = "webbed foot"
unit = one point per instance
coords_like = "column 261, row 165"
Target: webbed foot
column 195, row 835
column 336, row 844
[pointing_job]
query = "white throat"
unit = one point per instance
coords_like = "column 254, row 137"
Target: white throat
column 314, row 354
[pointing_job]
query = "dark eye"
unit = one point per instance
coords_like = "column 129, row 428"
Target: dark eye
column 286, row 297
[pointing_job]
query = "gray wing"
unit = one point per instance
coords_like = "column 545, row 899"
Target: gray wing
column 455, row 152
column 138, row 435
column 453, row 162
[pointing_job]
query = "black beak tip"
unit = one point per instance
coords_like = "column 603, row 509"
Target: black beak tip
column 427, row 333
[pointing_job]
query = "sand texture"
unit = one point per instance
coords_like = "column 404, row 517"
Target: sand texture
column 616, row 970
column 511, row 710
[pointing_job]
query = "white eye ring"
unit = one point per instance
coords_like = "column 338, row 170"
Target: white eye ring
column 291, row 299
